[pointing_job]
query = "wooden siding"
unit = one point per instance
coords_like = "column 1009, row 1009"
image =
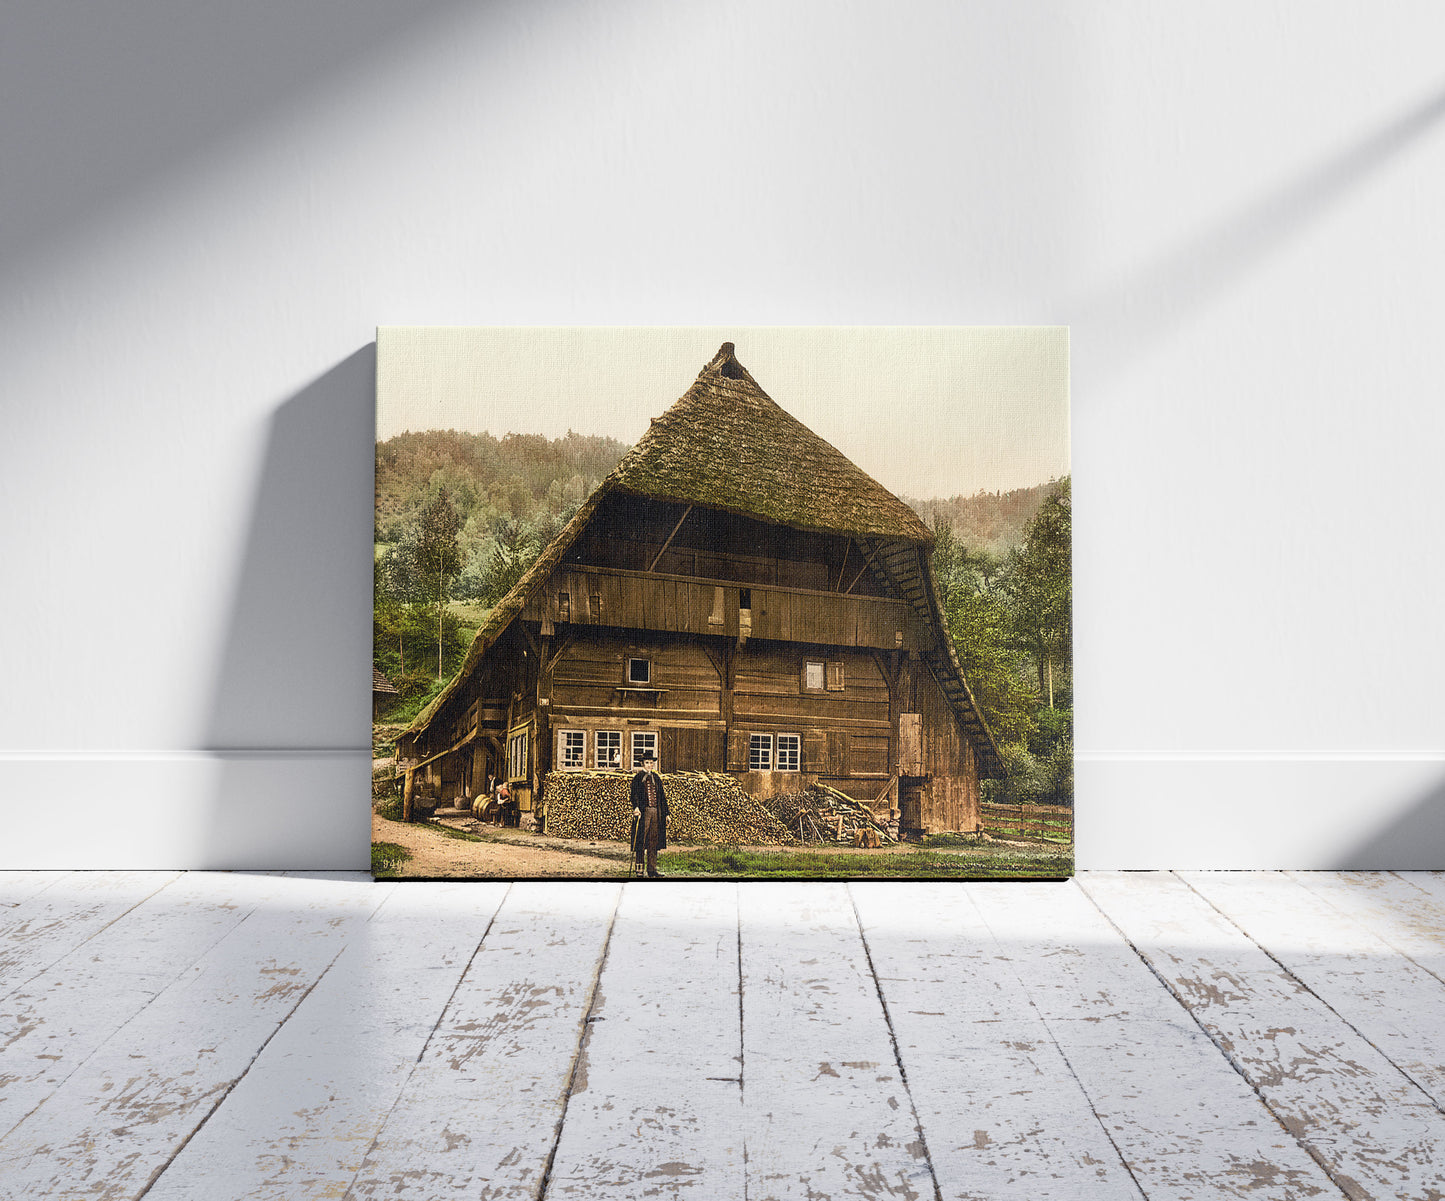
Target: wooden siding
column 949, row 796
column 706, row 695
column 684, row 605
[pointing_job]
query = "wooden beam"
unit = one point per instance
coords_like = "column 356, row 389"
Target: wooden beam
column 528, row 635
column 842, row 567
column 670, row 537
column 562, row 648
column 867, row 562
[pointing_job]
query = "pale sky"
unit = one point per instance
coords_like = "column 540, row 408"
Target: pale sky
column 926, row 411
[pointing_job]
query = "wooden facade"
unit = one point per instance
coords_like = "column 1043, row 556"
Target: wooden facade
column 719, row 640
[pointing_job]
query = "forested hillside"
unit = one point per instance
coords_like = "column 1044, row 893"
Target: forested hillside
column 488, row 478
column 988, row 521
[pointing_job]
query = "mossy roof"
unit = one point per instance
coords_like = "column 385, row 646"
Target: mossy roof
column 727, row 445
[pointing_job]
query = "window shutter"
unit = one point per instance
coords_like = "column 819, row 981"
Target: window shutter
column 835, row 676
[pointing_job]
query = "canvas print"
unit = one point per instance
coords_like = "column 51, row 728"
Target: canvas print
column 744, row 603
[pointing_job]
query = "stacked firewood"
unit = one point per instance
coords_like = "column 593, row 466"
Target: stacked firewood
column 823, row 814
column 706, row 807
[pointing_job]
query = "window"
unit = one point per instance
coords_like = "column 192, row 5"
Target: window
column 813, row 675
column 564, row 606
column 789, row 751
column 745, row 598
column 517, row 756
column 760, row 752
column 571, row 749
column 609, row 748
column 639, row 671
column 644, row 742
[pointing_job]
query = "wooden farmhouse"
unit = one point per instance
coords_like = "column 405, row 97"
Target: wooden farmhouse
column 735, row 597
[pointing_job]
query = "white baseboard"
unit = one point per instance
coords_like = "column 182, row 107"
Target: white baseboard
column 307, row 809
column 186, row 809
column 1310, row 811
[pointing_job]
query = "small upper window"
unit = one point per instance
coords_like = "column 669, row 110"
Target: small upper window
column 813, row 675
column 639, row 671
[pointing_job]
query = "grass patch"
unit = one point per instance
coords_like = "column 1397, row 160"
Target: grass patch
column 387, row 859
column 469, row 614
column 404, row 711
column 919, row 864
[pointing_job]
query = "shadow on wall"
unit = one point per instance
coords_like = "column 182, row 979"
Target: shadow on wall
column 118, row 96
column 289, row 724
column 1149, row 304
column 1414, row 841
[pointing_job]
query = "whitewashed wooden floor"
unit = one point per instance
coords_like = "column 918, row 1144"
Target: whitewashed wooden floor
column 1190, row 1035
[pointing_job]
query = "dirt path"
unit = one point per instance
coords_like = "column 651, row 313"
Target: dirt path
column 506, row 857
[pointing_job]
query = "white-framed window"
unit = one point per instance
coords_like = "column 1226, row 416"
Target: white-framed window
column 517, row 756
column 608, row 749
column 790, row 752
column 571, row 749
column 639, row 671
column 644, row 742
column 813, row 674
column 760, row 752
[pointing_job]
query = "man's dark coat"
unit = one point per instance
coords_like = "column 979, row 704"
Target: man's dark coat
column 639, row 801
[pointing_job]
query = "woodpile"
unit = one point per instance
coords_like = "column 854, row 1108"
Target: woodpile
column 823, row 814
column 708, row 807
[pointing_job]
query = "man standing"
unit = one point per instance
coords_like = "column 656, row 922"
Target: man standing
column 649, row 812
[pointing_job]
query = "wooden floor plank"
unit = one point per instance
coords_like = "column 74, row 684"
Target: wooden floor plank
column 47, row 925
column 1375, row 1131
column 299, row 1124
column 53, row 1023
column 479, row 1115
column 1186, row 1124
column 1002, row 1115
column 124, row 1113
column 1404, row 909
column 16, row 887
column 826, row 1111
column 656, row 1111
column 1392, row 1002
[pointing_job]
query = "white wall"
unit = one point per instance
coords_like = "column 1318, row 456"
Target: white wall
column 205, row 208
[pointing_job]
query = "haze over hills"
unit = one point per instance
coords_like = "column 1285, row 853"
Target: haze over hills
column 989, row 521
column 534, row 480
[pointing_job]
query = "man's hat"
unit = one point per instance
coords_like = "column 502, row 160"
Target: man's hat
column 649, row 757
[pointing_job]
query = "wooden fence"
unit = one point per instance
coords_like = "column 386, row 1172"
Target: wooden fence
column 1052, row 823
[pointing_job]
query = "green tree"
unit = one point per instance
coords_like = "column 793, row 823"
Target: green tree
column 514, row 550
column 978, row 622
column 437, row 555
column 1040, row 590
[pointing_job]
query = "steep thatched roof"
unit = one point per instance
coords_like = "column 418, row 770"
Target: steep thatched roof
column 379, row 682
column 727, row 445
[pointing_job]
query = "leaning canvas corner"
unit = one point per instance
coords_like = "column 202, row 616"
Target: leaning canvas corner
column 720, row 609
